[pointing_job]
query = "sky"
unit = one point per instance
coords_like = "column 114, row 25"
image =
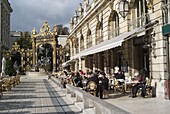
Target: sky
column 28, row 14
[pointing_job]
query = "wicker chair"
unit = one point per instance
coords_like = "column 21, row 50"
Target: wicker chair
column 148, row 87
column 6, row 84
column 12, row 81
column 118, row 87
column 1, row 94
column 92, row 87
column 17, row 79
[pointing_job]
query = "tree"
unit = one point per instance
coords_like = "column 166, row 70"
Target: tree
column 25, row 43
column 9, row 69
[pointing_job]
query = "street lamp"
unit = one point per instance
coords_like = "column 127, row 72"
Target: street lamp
column 123, row 7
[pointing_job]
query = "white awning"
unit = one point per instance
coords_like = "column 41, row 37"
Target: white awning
column 108, row 44
column 65, row 64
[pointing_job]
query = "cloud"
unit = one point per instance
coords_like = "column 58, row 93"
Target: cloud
column 28, row 14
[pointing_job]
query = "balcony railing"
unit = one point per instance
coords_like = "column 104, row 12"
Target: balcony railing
column 99, row 39
column 81, row 47
column 89, row 44
column 133, row 24
column 138, row 22
column 114, row 33
column 77, row 50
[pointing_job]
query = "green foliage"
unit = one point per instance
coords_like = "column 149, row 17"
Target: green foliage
column 9, row 69
column 25, row 43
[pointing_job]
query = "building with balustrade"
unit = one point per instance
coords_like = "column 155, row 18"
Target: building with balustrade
column 123, row 33
column 5, row 10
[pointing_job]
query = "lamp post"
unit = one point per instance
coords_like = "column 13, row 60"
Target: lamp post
column 123, row 8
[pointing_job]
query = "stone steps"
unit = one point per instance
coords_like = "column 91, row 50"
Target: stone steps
column 70, row 101
column 79, row 105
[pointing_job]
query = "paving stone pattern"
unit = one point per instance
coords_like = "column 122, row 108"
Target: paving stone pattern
column 35, row 95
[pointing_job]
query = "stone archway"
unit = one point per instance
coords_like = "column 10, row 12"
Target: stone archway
column 45, row 36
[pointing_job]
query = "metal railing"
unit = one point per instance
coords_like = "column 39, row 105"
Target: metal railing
column 89, row 44
column 99, row 39
column 133, row 24
column 113, row 33
column 77, row 49
column 81, row 47
column 138, row 22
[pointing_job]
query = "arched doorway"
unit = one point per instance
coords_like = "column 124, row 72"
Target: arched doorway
column 45, row 57
column 49, row 40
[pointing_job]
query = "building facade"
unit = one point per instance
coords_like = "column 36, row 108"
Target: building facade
column 100, row 39
column 5, row 10
column 14, row 35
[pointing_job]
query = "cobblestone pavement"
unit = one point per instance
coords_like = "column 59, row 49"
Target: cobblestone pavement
column 35, row 95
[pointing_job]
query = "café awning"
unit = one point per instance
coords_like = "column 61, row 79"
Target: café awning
column 108, row 44
column 65, row 64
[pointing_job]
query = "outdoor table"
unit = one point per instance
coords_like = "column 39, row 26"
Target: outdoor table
column 1, row 88
column 121, row 80
column 130, row 83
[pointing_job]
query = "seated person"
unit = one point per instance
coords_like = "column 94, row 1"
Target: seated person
column 120, row 77
column 77, row 80
column 138, row 85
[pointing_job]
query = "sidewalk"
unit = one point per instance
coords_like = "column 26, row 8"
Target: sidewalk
column 140, row 105
column 36, row 95
column 39, row 95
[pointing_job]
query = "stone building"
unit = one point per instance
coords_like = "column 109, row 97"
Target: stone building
column 14, row 35
column 103, row 36
column 26, row 35
column 5, row 10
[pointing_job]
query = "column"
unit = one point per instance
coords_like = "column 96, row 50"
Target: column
column 54, row 57
column 33, row 52
column 36, row 56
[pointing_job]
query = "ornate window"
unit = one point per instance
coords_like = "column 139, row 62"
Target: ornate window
column 166, row 11
column 76, row 45
column 99, row 31
column 113, row 25
column 140, row 13
column 81, row 43
column 89, row 39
